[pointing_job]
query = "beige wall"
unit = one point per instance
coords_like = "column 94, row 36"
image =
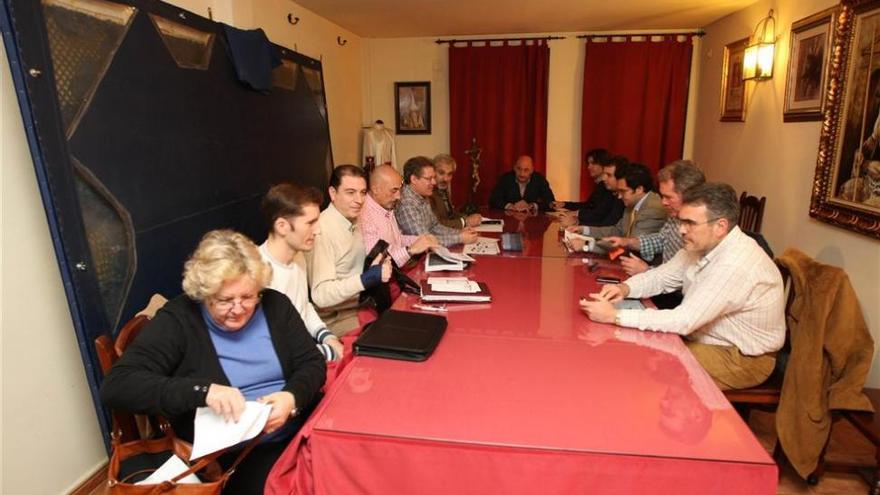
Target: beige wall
column 387, row 61
column 45, row 406
column 774, row 159
column 48, row 418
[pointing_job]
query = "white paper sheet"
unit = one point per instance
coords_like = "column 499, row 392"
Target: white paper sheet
column 496, row 227
column 446, row 254
column 172, row 467
column 453, row 284
column 213, row 432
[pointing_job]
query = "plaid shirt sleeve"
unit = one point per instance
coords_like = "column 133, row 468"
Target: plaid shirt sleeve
column 650, row 245
column 416, row 218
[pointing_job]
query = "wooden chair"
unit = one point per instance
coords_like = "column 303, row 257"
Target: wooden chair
column 766, row 396
column 751, row 212
column 108, row 353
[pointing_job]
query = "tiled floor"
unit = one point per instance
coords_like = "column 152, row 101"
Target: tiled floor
column 847, row 446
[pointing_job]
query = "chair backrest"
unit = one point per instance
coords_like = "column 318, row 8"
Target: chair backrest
column 108, row 353
column 751, row 212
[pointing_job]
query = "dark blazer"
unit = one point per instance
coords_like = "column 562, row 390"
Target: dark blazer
column 600, row 209
column 168, row 368
column 507, row 191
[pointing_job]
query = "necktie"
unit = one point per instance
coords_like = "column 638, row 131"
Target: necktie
column 632, row 221
column 449, row 210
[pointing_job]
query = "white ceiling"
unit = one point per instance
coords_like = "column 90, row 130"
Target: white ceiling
column 414, row 18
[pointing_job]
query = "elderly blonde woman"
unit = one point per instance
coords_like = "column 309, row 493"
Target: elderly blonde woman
column 224, row 341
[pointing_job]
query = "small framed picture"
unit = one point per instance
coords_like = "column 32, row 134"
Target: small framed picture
column 808, row 67
column 412, row 105
column 733, row 88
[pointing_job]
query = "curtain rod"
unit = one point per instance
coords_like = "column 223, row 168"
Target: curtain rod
column 700, row 34
column 488, row 40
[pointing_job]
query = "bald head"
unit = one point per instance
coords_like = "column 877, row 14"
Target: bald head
column 385, row 183
column 524, row 168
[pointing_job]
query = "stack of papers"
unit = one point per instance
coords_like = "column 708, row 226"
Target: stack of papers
column 484, row 245
column 442, row 259
column 491, row 225
column 454, row 289
column 166, row 472
column 213, row 432
column 460, row 285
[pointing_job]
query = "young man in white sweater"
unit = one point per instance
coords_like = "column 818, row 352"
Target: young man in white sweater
column 292, row 211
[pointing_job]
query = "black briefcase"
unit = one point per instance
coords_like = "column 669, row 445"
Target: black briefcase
column 401, row 335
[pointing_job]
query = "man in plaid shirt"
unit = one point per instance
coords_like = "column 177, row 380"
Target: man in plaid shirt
column 414, row 213
column 674, row 179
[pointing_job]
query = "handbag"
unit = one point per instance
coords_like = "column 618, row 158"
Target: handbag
column 146, row 455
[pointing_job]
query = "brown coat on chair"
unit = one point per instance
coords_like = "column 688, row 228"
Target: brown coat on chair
column 831, row 352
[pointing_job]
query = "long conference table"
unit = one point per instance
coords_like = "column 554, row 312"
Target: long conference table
column 526, row 395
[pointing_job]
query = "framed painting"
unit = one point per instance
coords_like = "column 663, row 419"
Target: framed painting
column 846, row 186
column 805, row 85
column 733, row 88
column 412, row 107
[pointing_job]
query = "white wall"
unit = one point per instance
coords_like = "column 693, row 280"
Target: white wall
column 45, row 406
column 774, row 159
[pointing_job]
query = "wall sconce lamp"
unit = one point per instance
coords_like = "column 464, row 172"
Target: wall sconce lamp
column 758, row 58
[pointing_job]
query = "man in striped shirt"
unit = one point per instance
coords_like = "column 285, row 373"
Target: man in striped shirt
column 732, row 315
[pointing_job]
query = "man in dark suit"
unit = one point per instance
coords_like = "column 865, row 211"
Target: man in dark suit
column 602, row 207
column 522, row 189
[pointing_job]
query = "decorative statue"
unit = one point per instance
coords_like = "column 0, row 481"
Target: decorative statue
column 474, row 154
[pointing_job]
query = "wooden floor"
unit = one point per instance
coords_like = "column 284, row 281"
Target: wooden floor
column 847, row 446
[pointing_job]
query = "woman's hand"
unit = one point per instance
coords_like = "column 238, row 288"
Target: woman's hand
column 225, row 401
column 336, row 345
column 283, row 403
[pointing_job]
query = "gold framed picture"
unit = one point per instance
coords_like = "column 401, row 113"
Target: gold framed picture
column 733, row 88
column 846, row 186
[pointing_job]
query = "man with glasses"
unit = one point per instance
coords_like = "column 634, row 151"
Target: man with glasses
column 291, row 213
column 732, row 314
column 644, row 213
column 413, row 212
column 522, row 189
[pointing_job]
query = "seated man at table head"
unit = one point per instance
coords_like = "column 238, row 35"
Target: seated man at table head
column 413, row 211
column 732, row 314
column 336, row 264
column 226, row 340
column 441, row 200
column 673, row 179
column 644, row 213
column 377, row 221
column 292, row 212
column 522, row 189
column 599, row 208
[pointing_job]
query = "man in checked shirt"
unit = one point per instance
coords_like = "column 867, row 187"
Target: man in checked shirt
column 414, row 213
column 732, row 314
column 674, row 179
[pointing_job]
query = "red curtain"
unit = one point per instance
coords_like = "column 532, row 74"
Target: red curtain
column 497, row 94
column 635, row 100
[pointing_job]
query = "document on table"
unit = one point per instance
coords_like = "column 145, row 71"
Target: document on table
column 460, row 285
column 166, row 472
column 213, row 432
column 484, row 245
column 448, row 255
